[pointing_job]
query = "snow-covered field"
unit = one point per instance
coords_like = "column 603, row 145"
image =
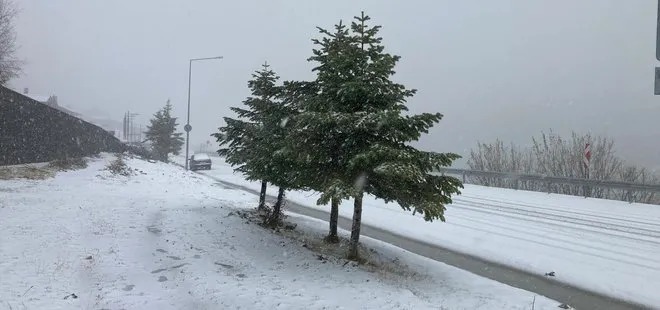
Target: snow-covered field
column 608, row 246
column 169, row 239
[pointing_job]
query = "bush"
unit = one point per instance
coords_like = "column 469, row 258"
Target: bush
column 142, row 151
column 26, row 172
column 119, row 167
column 552, row 155
column 69, row 163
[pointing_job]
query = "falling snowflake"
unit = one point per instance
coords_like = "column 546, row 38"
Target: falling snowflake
column 284, row 121
column 361, row 181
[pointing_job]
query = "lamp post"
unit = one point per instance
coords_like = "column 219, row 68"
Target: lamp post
column 187, row 127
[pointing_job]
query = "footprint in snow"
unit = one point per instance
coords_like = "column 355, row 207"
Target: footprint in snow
column 224, row 265
column 154, row 230
column 159, row 270
column 128, row 288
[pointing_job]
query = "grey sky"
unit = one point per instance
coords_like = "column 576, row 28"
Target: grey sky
column 497, row 69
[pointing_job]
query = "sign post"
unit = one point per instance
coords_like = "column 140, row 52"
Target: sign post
column 656, row 89
column 657, row 34
column 586, row 161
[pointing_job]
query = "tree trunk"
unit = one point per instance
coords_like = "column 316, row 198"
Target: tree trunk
column 277, row 209
column 332, row 236
column 262, row 196
column 355, row 230
column 275, row 216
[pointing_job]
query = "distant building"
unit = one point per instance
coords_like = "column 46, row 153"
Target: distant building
column 50, row 101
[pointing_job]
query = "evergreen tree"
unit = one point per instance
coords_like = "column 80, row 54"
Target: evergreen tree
column 242, row 137
column 163, row 135
column 332, row 49
column 252, row 140
column 354, row 125
column 320, row 167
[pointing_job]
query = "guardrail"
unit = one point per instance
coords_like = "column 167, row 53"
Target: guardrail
column 550, row 180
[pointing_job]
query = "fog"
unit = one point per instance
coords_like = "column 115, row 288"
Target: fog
column 496, row 69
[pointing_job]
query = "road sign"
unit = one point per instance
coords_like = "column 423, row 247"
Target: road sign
column 587, row 156
column 657, row 35
column 187, row 128
column 656, row 90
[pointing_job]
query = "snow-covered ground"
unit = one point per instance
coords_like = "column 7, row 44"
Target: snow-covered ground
column 169, row 239
column 608, row 246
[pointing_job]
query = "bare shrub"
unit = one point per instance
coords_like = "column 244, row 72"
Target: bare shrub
column 142, row 150
column 552, row 155
column 10, row 65
column 25, row 172
column 500, row 158
column 639, row 175
column 69, row 163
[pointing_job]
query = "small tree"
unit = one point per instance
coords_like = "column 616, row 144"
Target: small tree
column 320, row 166
column 162, row 133
column 10, row 65
column 553, row 155
column 243, row 140
column 253, row 139
column 356, row 118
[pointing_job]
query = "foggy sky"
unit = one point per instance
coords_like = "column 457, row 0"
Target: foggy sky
column 496, row 69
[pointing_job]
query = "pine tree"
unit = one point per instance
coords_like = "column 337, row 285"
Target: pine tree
column 319, row 166
column 162, row 133
column 252, row 140
column 354, row 127
column 331, row 49
column 241, row 137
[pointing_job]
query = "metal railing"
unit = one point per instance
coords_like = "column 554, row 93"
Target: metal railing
column 551, row 180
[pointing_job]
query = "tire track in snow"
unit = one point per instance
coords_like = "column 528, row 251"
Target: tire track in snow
column 564, row 226
column 548, row 222
column 460, row 203
column 552, row 229
column 601, row 213
column 558, row 242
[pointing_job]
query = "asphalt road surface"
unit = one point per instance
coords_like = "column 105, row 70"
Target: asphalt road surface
column 576, row 297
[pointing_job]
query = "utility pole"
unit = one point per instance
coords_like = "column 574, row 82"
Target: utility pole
column 128, row 126
column 656, row 90
column 125, row 127
column 657, row 34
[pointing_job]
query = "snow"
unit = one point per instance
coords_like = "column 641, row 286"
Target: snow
column 600, row 245
column 201, row 156
column 167, row 239
column 36, row 97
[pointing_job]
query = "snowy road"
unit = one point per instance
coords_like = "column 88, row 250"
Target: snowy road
column 596, row 248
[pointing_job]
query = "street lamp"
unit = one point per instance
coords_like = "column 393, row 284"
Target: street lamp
column 187, row 127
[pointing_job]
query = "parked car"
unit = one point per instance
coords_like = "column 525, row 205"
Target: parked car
column 200, row 161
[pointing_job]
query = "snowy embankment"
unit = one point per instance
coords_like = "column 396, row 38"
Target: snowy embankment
column 169, row 239
column 610, row 247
